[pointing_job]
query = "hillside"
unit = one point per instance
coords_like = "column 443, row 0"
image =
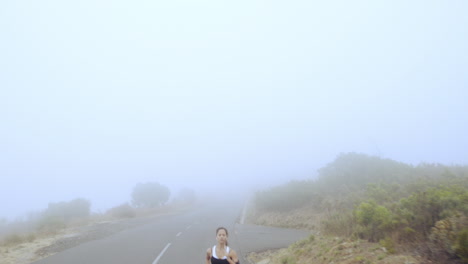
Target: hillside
column 366, row 209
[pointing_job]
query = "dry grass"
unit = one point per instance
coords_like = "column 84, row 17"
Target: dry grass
column 325, row 250
column 22, row 251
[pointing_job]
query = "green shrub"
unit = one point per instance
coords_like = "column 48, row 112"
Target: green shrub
column 407, row 234
column 461, row 245
column 424, row 209
column 388, row 244
column 448, row 237
column 375, row 218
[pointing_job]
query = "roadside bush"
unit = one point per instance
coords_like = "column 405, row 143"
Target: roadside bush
column 407, row 234
column 375, row 219
column 66, row 211
column 424, row 209
column 59, row 215
column 461, row 245
column 150, row 194
column 388, row 244
column 122, row 211
column 449, row 237
column 13, row 239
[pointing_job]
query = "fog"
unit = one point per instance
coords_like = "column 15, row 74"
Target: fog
column 223, row 97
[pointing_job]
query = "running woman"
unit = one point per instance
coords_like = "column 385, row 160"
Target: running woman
column 221, row 253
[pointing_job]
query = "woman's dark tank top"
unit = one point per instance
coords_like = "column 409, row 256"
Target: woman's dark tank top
column 217, row 260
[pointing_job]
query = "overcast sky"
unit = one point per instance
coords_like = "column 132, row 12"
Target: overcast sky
column 96, row 96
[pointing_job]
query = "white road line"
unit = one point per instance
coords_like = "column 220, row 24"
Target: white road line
column 180, row 233
column 188, row 227
column 162, row 253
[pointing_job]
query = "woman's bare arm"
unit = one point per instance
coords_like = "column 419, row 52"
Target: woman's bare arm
column 208, row 256
column 232, row 257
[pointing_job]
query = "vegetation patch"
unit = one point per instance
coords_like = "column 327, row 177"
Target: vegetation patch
column 398, row 207
column 338, row 251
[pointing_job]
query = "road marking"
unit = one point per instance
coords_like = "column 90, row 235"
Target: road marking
column 180, row 233
column 188, row 227
column 162, row 253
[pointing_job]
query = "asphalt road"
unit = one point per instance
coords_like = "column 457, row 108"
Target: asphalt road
column 178, row 239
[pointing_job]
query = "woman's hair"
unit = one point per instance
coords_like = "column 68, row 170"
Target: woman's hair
column 222, row 228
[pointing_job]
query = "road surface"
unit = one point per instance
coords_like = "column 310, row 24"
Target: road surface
column 178, row 239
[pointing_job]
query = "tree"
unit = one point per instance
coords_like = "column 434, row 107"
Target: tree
column 150, row 194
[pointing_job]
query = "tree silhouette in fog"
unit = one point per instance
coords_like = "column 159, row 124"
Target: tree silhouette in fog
column 150, row 194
